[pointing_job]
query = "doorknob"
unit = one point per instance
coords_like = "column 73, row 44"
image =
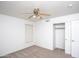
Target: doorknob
column 72, row 40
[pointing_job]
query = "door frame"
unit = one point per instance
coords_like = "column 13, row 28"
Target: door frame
column 54, row 33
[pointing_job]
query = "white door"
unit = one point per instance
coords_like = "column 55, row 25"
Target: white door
column 28, row 33
column 75, row 38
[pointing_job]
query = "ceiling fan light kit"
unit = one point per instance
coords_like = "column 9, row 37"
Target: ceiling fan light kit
column 37, row 14
column 34, row 16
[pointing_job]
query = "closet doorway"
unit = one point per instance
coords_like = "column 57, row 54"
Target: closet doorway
column 59, row 36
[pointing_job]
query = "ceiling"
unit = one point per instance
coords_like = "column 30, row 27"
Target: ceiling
column 54, row 8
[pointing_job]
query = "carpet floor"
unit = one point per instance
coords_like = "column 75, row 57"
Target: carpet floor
column 38, row 52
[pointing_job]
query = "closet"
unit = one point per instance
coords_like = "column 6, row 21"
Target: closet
column 59, row 35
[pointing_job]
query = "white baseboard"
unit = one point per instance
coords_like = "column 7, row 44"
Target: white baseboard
column 44, row 47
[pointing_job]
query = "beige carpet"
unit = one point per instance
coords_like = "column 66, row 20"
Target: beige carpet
column 38, row 52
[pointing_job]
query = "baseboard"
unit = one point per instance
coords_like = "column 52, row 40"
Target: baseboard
column 67, row 52
column 44, row 47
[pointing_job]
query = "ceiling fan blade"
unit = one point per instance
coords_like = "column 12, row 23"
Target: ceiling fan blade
column 30, row 16
column 44, row 14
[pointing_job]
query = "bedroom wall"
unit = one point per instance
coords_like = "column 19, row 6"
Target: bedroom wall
column 12, row 34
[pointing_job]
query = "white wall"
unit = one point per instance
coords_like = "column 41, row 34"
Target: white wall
column 43, row 35
column 44, row 32
column 12, row 34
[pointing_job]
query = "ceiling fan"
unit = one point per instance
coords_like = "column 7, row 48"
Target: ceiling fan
column 37, row 14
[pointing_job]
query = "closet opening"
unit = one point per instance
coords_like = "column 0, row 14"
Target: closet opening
column 59, row 36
